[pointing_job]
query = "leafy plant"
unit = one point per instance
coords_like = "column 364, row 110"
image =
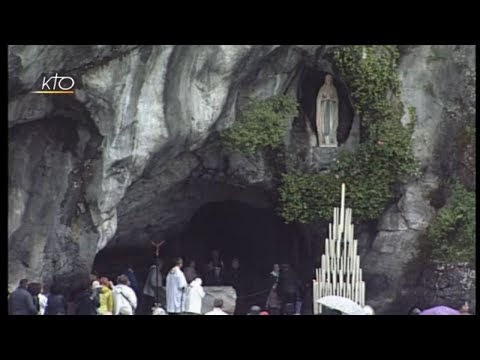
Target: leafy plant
column 262, row 124
column 452, row 233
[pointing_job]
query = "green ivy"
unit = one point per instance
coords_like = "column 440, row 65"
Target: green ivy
column 466, row 140
column 384, row 156
column 262, row 124
column 412, row 113
column 370, row 71
column 452, row 232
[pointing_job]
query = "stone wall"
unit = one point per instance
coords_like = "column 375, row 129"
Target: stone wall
column 445, row 284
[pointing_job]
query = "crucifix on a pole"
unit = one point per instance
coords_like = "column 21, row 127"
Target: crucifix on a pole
column 157, row 253
column 157, row 247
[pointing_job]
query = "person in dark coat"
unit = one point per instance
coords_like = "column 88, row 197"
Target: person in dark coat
column 34, row 288
column 21, row 301
column 215, row 270
column 287, row 286
column 233, row 275
column 213, row 276
column 86, row 302
column 190, row 271
column 274, row 303
column 131, row 278
column 56, row 304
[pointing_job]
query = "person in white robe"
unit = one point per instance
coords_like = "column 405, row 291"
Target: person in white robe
column 176, row 286
column 194, row 296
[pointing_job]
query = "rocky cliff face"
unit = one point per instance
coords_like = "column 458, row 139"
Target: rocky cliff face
column 137, row 147
column 428, row 75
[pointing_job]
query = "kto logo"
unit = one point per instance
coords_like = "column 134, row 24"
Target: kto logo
column 57, row 85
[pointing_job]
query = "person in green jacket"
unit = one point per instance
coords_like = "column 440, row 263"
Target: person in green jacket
column 106, row 298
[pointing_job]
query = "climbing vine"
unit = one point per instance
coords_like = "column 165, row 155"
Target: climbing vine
column 452, row 232
column 466, row 141
column 384, row 156
column 262, row 124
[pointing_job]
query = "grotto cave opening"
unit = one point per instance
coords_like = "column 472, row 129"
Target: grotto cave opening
column 257, row 236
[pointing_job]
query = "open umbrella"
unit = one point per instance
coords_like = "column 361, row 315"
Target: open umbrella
column 440, row 310
column 342, row 304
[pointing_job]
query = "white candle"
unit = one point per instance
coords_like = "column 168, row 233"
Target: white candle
column 327, row 265
column 339, row 264
column 341, row 282
column 345, row 227
column 356, row 293
column 359, row 293
column 347, row 221
column 334, row 225
column 352, row 253
column 334, row 279
column 354, row 270
column 327, row 242
column 338, row 243
column 348, row 264
column 362, row 299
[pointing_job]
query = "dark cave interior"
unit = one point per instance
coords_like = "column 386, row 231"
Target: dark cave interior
column 257, row 236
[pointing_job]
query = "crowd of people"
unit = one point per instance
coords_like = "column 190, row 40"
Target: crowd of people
column 185, row 293
column 179, row 291
column 182, row 289
column 98, row 297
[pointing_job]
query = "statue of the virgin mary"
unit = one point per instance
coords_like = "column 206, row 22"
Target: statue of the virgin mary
column 327, row 113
